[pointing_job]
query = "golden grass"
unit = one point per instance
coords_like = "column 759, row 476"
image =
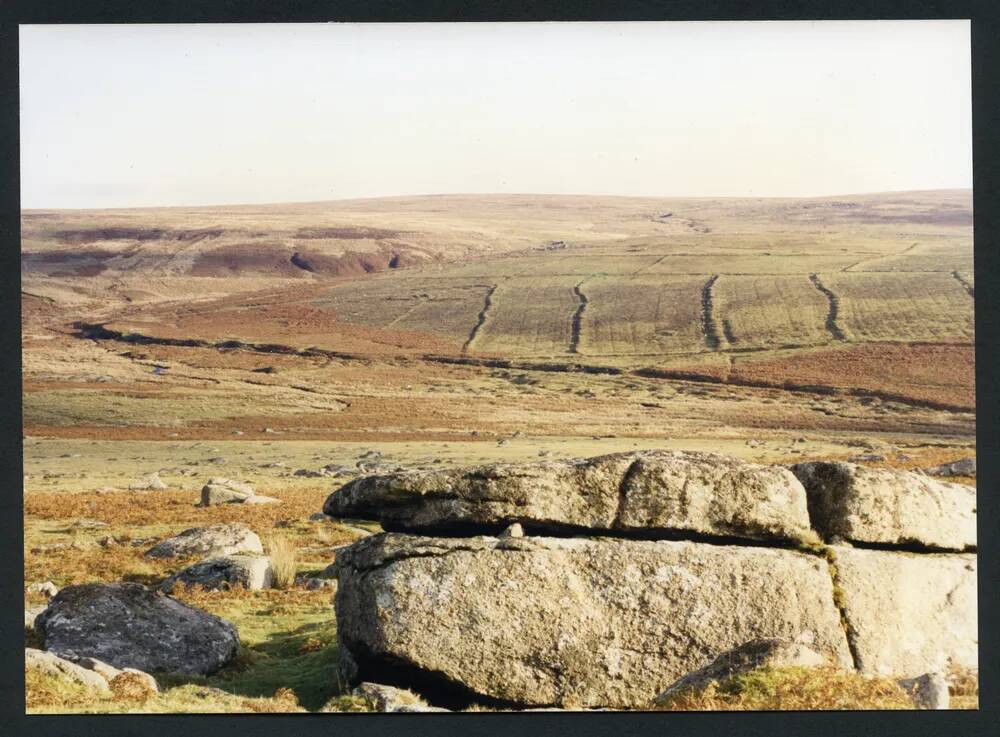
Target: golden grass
column 283, row 560
column 792, row 689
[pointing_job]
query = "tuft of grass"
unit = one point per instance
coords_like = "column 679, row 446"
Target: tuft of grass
column 284, row 561
column 793, row 689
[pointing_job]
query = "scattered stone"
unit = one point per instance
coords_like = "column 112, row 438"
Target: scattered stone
column 30, row 615
column 128, row 625
column 962, row 467
column 307, row 473
column 867, row 457
column 316, row 583
column 887, row 506
column 515, row 530
column 695, row 492
column 107, row 672
column 214, row 540
column 909, row 614
column 766, row 653
column 89, row 524
column 261, row 499
column 319, row 517
column 217, row 460
column 225, row 491
column 105, row 490
column 46, row 589
column 571, row 622
column 929, row 691
column 389, row 699
column 52, row 665
column 149, row 483
column 252, row 572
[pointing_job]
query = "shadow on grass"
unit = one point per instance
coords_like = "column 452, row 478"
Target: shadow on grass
column 304, row 659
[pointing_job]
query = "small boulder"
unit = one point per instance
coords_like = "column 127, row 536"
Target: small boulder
column 389, row 699
column 252, row 572
column 30, row 615
column 762, row 653
column 225, row 491
column 53, row 666
column 929, row 691
column 46, row 589
column 128, row 625
column 962, row 467
column 152, row 482
column 214, row 540
column 515, row 530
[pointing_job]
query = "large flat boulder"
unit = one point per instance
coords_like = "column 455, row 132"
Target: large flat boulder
column 871, row 505
column 130, row 626
column 213, row 540
column 568, row 622
column 909, row 614
column 645, row 492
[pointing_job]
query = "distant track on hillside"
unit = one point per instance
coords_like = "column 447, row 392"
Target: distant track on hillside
column 577, row 325
column 481, row 320
column 965, row 283
column 833, row 311
column 709, row 327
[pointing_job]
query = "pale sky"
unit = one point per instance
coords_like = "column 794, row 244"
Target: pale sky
column 130, row 115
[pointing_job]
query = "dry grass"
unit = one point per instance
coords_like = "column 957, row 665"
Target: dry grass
column 284, row 559
column 793, row 689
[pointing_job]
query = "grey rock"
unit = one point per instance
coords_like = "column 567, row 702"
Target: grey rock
column 30, row 615
column 251, row 572
column 225, row 491
column 929, row 691
column 887, row 506
column 909, row 614
column 962, row 467
column 571, row 622
column 128, row 625
column 46, row 589
column 676, row 491
column 52, row 665
column 390, row 699
column 148, row 483
column 214, row 540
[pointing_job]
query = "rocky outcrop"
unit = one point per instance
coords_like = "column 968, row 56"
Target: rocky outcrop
column 563, row 622
column 130, row 626
column 882, row 506
column 771, row 653
column 605, row 582
column 214, row 540
column 251, row 572
column 908, row 614
column 645, row 492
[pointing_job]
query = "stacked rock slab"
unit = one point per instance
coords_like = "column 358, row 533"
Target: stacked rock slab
column 638, row 569
column 570, row 622
column 646, row 492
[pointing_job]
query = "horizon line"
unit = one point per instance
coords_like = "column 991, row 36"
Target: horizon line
column 275, row 203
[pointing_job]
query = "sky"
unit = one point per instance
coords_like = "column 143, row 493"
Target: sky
column 156, row 115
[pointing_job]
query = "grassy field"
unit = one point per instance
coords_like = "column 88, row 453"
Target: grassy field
column 257, row 342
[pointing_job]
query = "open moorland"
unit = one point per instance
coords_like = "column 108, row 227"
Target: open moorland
column 297, row 347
